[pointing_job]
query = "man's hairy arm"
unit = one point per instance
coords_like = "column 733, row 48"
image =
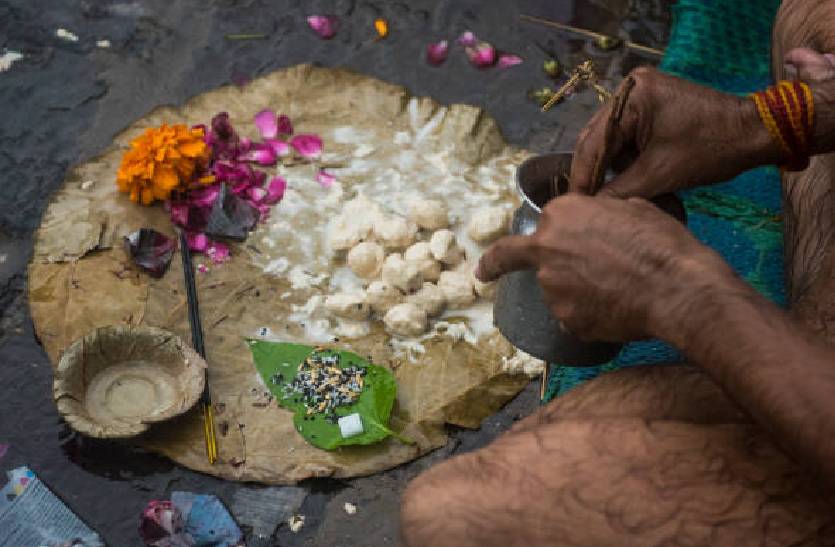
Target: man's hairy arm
column 783, row 376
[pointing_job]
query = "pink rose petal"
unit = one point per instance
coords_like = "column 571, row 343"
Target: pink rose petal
column 275, row 190
column 482, row 55
column 325, row 179
column 202, row 268
column 437, row 53
column 257, row 195
column 203, row 197
column 467, row 39
column 267, row 123
column 179, row 213
column 285, row 126
column 262, row 154
column 308, row 146
column 281, row 148
column 218, row 252
column 507, row 60
column 3, row 449
column 197, row 242
column 324, row 25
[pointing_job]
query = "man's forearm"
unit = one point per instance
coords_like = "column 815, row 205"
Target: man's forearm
column 782, row 376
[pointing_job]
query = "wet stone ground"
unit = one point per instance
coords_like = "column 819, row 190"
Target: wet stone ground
column 63, row 103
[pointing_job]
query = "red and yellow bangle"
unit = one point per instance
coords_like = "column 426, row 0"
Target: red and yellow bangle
column 788, row 112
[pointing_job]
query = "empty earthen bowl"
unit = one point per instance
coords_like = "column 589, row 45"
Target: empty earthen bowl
column 116, row 381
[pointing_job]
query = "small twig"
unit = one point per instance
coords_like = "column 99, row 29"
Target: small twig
column 589, row 33
column 584, row 72
column 254, row 36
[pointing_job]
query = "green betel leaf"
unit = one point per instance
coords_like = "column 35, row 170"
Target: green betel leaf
column 278, row 364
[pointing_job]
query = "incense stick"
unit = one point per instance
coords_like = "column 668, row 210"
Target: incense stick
column 589, row 33
column 197, row 342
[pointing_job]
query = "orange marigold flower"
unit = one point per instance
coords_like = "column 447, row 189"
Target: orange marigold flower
column 161, row 160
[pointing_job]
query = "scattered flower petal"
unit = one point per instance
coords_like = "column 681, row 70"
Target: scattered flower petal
column 467, row 39
column 202, row 268
column 267, row 123
column 325, row 179
column 64, row 34
column 104, row 44
column 324, row 25
column 240, row 79
column 382, row 27
column 437, row 53
column 179, row 213
column 257, row 195
column 281, row 148
column 507, row 60
column 197, row 242
column 3, row 449
column 262, row 154
column 203, row 197
column 482, row 55
column 159, row 521
column 308, row 146
column 8, row 59
column 218, row 252
column 222, row 127
column 285, row 126
column 275, row 190
column 150, row 250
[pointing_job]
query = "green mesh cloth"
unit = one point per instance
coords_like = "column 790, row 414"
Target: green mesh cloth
column 725, row 44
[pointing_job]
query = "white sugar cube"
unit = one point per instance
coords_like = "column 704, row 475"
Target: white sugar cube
column 350, row 425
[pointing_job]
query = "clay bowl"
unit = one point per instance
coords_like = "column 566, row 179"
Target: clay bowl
column 116, row 381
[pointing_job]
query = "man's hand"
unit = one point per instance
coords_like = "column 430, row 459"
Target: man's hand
column 672, row 135
column 612, row 269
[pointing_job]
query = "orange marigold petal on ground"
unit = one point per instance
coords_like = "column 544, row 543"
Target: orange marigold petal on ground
column 206, row 179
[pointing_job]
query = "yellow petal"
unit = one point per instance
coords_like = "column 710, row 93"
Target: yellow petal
column 382, row 27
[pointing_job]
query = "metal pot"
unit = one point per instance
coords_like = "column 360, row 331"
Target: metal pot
column 520, row 312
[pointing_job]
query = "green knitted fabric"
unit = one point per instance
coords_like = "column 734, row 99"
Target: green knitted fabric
column 725, row 44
